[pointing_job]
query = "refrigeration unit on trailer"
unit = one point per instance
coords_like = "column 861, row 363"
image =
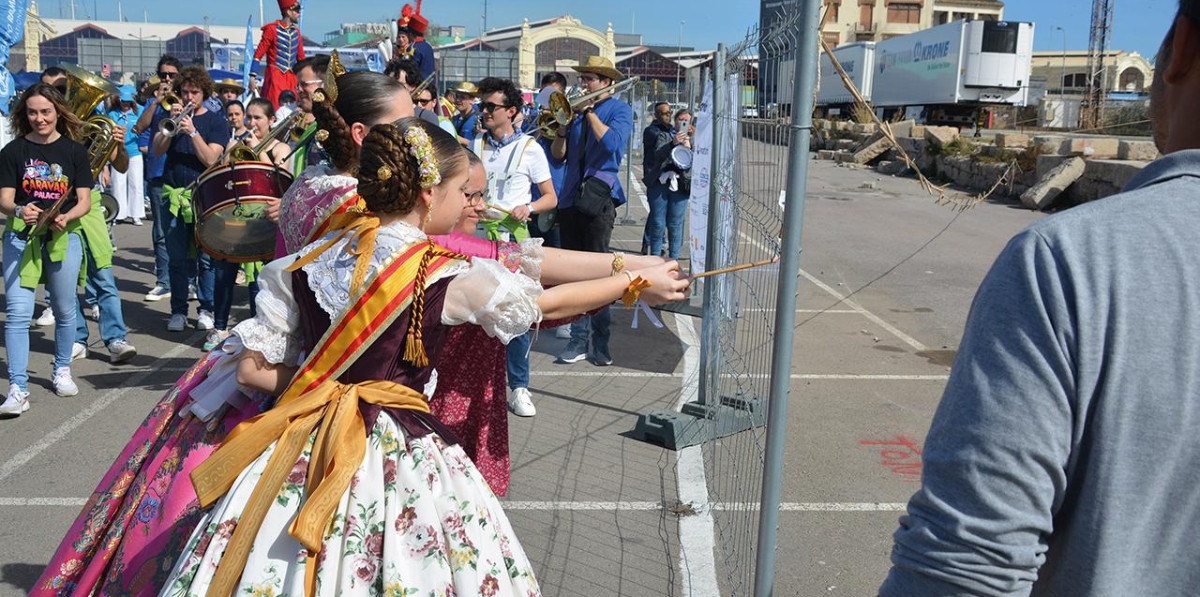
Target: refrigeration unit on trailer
column 946, row 73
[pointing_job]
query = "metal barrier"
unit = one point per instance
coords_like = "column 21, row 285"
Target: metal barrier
column 751, row 167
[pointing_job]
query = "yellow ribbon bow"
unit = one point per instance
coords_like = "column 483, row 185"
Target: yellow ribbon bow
column 331, row 408
column 636, row 286
column 360, row 228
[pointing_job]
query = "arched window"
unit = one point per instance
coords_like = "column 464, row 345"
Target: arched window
column 1132, row 79
column 549, row 52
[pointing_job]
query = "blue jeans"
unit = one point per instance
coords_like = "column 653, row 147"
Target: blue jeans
column 158, row 235
column 667, row 211
column 179, row 237
column 224, row 281
column 517, row 362
column 597, row 327
column 103, row 285
column 61, row 279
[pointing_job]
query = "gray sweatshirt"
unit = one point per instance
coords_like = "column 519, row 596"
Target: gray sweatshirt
column 1064, row 458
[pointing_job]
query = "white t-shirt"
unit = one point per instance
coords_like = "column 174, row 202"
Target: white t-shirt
column 513, row 170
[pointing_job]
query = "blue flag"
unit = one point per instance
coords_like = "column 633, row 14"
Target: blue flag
column 12, row 28
column 248, row 54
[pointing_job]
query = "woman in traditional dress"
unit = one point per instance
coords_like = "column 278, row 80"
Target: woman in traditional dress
column 348, row 486
column 144, row 507
column 471, row 393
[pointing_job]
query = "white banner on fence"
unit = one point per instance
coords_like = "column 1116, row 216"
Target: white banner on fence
column 703, row 177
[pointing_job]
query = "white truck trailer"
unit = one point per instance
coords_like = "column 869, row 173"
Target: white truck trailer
column 943, row 75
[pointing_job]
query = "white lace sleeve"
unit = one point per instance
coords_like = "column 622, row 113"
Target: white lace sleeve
column 531, row 255
column 503, row 303
column 273, row 331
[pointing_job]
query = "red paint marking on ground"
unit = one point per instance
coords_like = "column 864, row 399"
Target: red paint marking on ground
column 901, row 455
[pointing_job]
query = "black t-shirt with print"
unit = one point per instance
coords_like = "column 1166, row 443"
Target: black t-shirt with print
column 183, row 166
column 42, row 174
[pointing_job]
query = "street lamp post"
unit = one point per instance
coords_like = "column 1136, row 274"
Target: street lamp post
column 678, row 64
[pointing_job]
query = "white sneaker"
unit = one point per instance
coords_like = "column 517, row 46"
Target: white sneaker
column 157, row 293
column 63, row 384
column 562, row 332
column 137, row 221
column 120, row 350
column 520, row 402
column 204, row 321
column 178, row 323
column 94, row 313
column 192, row 296
column 78, row 351
column 17, row 401
column 46, row 320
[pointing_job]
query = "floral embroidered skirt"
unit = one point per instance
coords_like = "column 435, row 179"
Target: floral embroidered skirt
column 144, row 509
column 417, row 519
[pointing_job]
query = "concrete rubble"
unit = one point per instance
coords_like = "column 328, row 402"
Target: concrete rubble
column 1053, row 184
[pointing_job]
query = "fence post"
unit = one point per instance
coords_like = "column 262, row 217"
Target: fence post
column 708, row 330
column 785, row 303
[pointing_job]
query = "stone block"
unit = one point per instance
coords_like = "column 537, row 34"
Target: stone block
column 1053, row 184
column 1104, row 178
column 940, row 136
column 1046, row 163
column 903, row 128
column 841, row 125
column 1095, row 148
column 891, row 167
column 874, row 148
column 1052, row 145
column 1012, row 141
column 826, row 154
column 1138, row 151
column 845, row 145
column 917, row 132
column 843, row 157
column 865, row 128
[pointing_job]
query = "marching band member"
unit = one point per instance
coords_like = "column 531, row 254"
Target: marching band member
column 282, row 46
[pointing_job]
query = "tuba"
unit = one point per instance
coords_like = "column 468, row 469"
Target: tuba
column 85, row 91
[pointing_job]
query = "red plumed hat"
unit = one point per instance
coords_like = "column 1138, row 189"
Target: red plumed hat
column 286, row 4
column 411, row 19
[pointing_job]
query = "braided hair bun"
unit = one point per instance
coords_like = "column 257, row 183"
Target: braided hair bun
column 389, row 176
column 363, row 97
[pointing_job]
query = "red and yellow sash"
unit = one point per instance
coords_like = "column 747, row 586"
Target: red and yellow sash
column 315, row 400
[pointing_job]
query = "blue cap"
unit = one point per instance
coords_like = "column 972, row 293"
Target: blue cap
column 127, row 93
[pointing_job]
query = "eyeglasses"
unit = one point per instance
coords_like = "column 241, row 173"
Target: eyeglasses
column 664, row 113
column 162, row 74
column 490, row 107
column 475, row 198
column 295, row 8
column 311, row 83
column 586, row 78
column 425, row 100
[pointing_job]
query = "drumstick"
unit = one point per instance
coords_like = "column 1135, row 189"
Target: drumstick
column 734, row 268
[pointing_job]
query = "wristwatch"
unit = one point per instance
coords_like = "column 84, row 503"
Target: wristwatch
column 192, row 134
column 17, row 212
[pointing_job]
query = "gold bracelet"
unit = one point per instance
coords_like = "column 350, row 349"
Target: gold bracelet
column 618, row 263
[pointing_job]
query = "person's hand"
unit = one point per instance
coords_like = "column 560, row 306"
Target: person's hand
column 30, row 214
column 119, row 132
column 176, row 109
column 667, row 284
column 520, row 213
column 60, row 223
column 680, row 138
column 163, row 89
column 186, row 126
column 272, row 210
column 105, row 179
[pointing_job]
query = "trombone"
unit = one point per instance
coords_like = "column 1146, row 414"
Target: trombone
column 169, row 127
column 560, row 109
column 242, row 152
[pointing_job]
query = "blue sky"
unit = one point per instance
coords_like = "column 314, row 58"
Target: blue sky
column 1139, row 25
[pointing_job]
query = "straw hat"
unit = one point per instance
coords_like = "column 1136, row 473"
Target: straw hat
column 230, row 84
column 466, row 87
column 599, row 65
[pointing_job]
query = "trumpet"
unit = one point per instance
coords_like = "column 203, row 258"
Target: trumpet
column 169, row 99
column 169, row 127
column 560, row 109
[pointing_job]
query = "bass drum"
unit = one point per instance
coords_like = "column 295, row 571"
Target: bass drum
column 109, row 208
column 231, row 202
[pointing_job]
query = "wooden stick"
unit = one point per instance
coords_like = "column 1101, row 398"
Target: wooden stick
column 734, row 268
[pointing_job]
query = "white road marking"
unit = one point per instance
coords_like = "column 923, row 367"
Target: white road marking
column 697, row 540
column 24, row 456
column 803, row 376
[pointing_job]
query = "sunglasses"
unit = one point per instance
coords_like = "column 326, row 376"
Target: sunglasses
column 167, row 75
column 425, row 100
column 667, row 113
column 490, row 107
